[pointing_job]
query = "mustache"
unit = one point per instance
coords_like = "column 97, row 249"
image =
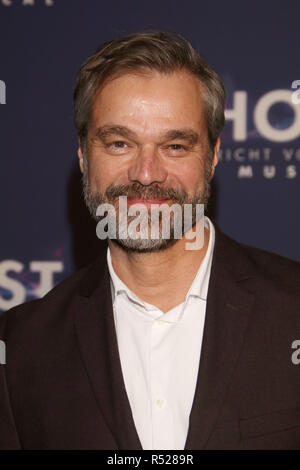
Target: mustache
column 139, row 191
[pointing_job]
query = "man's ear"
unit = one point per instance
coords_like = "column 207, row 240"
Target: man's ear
column 215, row 158
column 80, row 156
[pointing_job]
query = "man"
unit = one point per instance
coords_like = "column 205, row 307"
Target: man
column 155, row 346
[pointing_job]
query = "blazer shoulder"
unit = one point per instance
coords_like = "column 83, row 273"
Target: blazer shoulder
column 281, row 272
column 51, row 304
column 273, row 263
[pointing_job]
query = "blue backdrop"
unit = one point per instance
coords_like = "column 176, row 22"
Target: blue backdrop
column 46, row 232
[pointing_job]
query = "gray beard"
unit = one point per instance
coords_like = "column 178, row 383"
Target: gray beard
column 139, row 191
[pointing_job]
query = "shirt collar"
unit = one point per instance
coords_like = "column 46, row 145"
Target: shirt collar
column 199, row 286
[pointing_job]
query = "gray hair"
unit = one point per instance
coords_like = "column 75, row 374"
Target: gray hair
column 164, row 52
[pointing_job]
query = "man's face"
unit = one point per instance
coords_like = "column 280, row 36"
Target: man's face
column 147, row 140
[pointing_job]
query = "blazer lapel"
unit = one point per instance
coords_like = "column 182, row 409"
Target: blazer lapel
column 228, row 309
column 95, row 329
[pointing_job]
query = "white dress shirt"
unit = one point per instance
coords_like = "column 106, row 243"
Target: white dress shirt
column 160, row 354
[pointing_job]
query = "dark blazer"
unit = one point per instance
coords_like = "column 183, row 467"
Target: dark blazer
column 62, row 385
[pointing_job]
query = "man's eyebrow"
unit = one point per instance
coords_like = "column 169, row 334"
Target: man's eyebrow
column 113, row 130
column 183, row 134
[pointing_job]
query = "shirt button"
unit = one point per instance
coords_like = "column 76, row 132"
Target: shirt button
column 160, row 322
column 160, row 403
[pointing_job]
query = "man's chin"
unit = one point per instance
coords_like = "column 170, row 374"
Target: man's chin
column 143, row 245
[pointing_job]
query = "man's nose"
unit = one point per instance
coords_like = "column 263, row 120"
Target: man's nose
column 147, row 167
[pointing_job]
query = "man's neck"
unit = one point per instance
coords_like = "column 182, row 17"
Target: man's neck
column 160, row 278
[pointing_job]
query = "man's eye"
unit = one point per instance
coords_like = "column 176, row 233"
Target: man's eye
column 117, row 144
column 177, row 146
